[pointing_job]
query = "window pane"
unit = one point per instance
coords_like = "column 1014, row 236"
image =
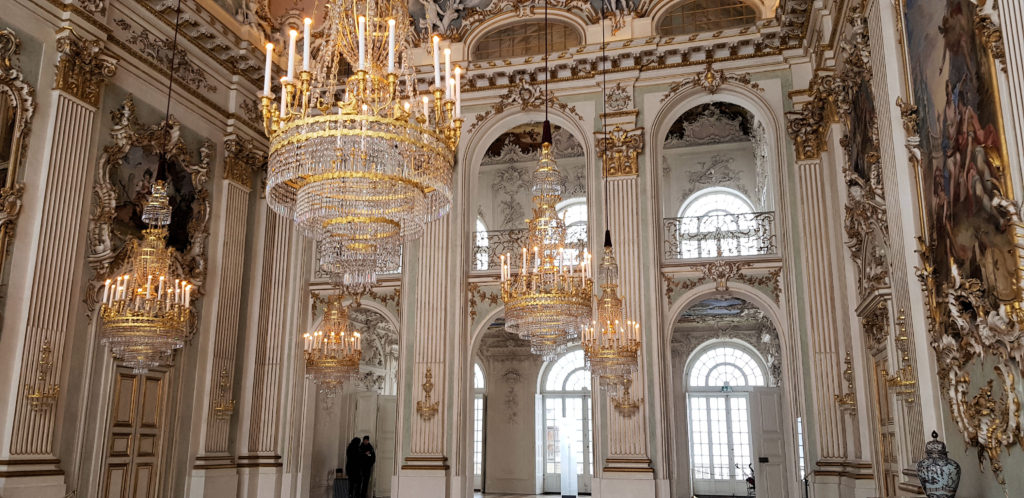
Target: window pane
column 740, row 435
column 478, row 376
column 525, row 38
column 698, row 16
column 700, row 443
column 559, row 372
column 478, row 434
column 726, row 364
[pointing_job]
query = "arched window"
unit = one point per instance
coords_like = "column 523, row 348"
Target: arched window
column 565, row 389
column 479, row 390
column 701, row 16
column 718, row 221
column 574, row 212
column 481, row 244
column 525, row 38
column 719, row 412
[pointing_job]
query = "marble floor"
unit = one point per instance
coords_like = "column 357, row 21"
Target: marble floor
column 492, row 495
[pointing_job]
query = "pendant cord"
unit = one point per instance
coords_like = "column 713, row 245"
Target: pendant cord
column 547, row 55
column 161, row 172
column 604, row 128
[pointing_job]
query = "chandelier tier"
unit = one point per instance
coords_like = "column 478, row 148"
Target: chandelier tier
column 611, row 343
column 548, row 301
column 364, row 162
column 147, row 312
column 333, row 352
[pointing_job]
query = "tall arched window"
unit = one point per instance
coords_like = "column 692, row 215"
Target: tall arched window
column 717, row 221
column 701, row 16
column 525, row 38
column 718, row 382
column 479, row 391
column 481, row 245
column 565, row 389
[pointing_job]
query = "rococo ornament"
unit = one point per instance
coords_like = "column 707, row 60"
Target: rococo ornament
column 548, row 301
column 619, row 149
column 361, row 163
column 82, row 66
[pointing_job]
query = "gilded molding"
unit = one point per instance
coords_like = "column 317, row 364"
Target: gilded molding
column 160, row 51
column 41, row 394
column 241, row 160
column 527, row 97
column 478, row 296
column 992, row 36
column 619, row 150
column 711, row 81
column 426, row 408
column 847, row 400
column 82, row 67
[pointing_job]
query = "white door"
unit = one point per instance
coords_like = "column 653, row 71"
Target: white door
column 387, row 410
column 770, row 469
column 576, row 411
column 720, row 449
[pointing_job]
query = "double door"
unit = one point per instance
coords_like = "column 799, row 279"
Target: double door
column 567, row 417
column 134, row 435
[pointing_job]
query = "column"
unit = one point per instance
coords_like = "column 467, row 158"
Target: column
column 43, row 296
column 625, row 464
column 424, row 381
column 216, row 403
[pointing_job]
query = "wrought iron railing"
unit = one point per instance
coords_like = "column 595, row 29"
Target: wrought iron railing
column 489, row 246
column 720, row 235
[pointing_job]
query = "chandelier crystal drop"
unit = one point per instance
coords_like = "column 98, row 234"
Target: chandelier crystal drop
column 611, row 343
column 362, row 162
column 548, row 300
column 147, row 312
column 332, row 353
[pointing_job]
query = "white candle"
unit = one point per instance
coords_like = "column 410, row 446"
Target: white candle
column 292, row 34
column 391, row 45
column 149, row 286
column 188, row 294
column 106, row 291
column 160, row 289
column 447, row 73
column 437, row 62
column 305, row 43
column 426, row 109
column 362, row 43
column 284, row 97
column 266, row 75
column 458, row 92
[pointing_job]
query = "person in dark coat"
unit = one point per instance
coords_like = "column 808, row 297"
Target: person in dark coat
column 367, row 458
column 353, row 462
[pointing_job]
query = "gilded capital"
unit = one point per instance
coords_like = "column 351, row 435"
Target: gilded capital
column 619, row 149
column 82, row 67
column 241, row 160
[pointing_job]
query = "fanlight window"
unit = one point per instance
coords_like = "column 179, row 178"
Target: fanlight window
column 700, row 16
column 726, row 366
column 717, row 219
column 523, row 39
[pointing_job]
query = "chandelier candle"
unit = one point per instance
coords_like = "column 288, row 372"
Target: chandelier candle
column 348, row 161
column 266, row 77
column 437, row 63
column 305, row 43
column 292, row 34
column 611, row 342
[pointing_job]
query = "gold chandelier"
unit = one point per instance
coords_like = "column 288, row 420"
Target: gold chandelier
column 362, row 162
column 548, row 301
column 147, row 312
column 332, row 353
column 611, row 343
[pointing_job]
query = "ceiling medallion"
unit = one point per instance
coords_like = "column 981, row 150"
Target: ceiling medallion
column 361, row 163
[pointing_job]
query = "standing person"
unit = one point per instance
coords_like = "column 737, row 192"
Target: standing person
column 353, row 462
column 367, row 458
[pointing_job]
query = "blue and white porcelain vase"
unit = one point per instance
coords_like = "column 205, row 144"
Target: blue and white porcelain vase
column 939, row 475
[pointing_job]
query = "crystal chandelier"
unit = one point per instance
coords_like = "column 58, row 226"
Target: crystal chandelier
column 147, row 312
column 362, row 162
column 548, row 301
column 611, row 343
column 332, row 352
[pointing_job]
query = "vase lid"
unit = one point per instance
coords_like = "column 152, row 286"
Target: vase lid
column 935, row 448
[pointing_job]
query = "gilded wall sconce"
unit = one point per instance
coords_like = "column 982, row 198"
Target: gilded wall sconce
column 426, row 408
column 848, row 400
column 904, row 381
column 624, row 402
column 225, row 406
column 42, row 395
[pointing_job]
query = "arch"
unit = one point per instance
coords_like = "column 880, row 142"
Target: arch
column 748, row 363
column 762, row 9
column 505, row 19
column 567, row 367
column 709, row 191
column 555, row 29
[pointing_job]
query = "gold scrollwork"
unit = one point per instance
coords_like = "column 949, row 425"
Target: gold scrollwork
column 619, row 150
column 42, row 394
column 711, row 81
column 623, row 402
column 82, row 67
column 847, row 400
column 426, row 408
column 904, row 381
column 225, row 406
column 241, row 160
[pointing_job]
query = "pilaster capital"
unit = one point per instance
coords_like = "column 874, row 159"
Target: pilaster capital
column 619, row 149
column 241, row 159
column 83, row 66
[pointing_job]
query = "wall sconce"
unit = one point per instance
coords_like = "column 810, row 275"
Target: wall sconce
column 225, row 407
column 425, row 408
column 847, row 401
column 624, row 403
column 43, row 395
column 904, row 382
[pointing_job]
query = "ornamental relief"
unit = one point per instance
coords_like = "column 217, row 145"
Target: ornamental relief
column 525, row 96
column 126, row 173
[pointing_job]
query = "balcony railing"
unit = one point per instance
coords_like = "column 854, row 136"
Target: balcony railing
column 720, row 235
column 489, row 246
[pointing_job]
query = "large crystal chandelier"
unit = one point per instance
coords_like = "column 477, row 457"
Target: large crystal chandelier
column 333, row 351
column 147, row 312
column 362, row 162
column 611, row 343
column 548, row 301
